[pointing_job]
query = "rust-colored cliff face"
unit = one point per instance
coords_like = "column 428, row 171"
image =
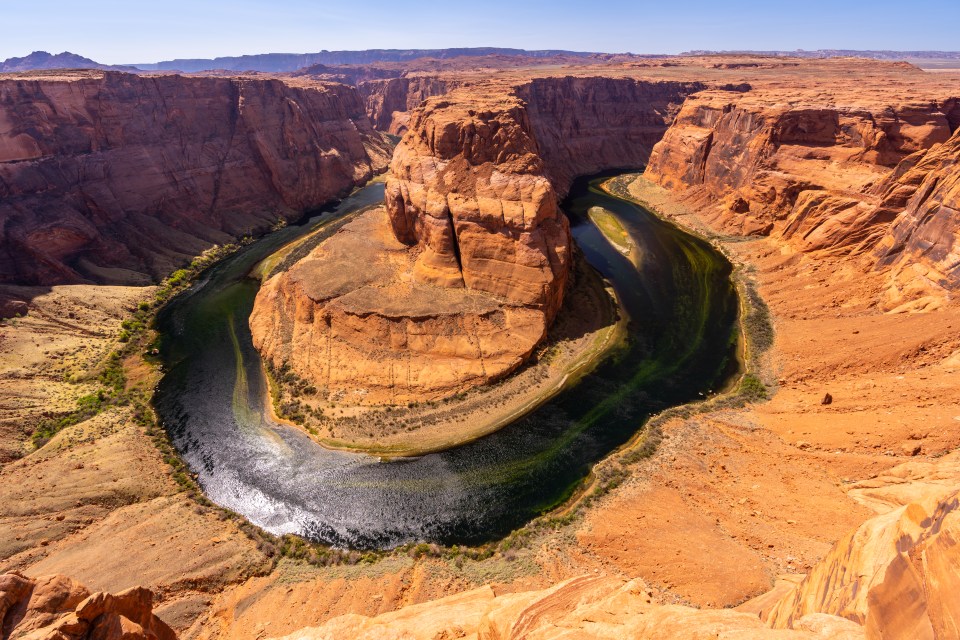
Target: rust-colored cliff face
column 390, row 101
column 376, row 334
column 827, row 175
column 468, row 190
column 118, row 178
column 586, row 125
column 922, row 246
column 473, row 194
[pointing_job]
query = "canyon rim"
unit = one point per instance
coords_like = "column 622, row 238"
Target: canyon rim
column 392, row 282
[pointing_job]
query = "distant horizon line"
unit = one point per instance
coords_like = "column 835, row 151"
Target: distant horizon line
column 691, row 52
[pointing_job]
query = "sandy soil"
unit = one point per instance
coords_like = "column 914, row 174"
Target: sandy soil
column 730, row 501
column 98, row 502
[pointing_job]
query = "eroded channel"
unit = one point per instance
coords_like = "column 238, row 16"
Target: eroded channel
column 682, row 305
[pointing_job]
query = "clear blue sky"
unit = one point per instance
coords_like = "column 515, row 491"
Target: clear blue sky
column 114, row 31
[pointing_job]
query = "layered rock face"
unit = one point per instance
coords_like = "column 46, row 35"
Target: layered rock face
column 898, row 574
column 587, row 608
column 468, row 190
column 110, row 177
column 805, row 169
column 474, row 183
column 461, row 278
column 587, row 125
column 390, row 101
column 922, row 245
column 354, row 318
column 58, row 608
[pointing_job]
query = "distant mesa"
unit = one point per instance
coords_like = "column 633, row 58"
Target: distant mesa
column 41, row 60
column 876, row 54
column 283, row 62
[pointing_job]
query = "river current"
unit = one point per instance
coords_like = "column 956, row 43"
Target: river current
column 681, row 346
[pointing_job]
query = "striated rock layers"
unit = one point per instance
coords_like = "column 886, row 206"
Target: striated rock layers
column 587, row 608
column 922, row 245
column 58, row 608
column 111, row 177
column 390, row 101
column 584, row 125
column 898, row 575
column 482, row 256
column 825, row 173
column 472, row 200
column 471, row 196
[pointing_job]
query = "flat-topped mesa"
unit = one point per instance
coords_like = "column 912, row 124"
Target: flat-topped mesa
column 468, row 190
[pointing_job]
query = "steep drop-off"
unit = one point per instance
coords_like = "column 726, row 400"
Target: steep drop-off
column 587, row 125
column 110, row 177
column 922, row 245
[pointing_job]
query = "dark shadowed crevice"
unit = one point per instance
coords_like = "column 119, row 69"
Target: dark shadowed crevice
column 456, row 246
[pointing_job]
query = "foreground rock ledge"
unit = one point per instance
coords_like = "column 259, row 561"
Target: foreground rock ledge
column 59, row 608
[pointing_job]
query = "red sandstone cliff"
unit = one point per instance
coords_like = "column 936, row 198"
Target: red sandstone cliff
column 472, row 199
column 922, row 245
column 806, row 169
column 586, row 125
column 390, row 101
column 120, row 178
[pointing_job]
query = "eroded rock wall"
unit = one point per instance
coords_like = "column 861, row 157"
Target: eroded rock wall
column 474, row 184
column 473, row 200
column 585, row 125
column 120, row 178
column 390, row 101
column 803, row 169
column 922, row 245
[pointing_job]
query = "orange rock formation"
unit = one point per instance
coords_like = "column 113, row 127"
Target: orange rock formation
column 58, row 608
column 472, row 194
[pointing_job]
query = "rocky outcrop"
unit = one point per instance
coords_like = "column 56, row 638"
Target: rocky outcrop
column 589, row 608
column 471, row 197
column 58, row 608
column 474, row 183
column 110, row 177
column 378, row 334
column 460, row 280
column 803, row 168
column 468, row 190
column 898, row 574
